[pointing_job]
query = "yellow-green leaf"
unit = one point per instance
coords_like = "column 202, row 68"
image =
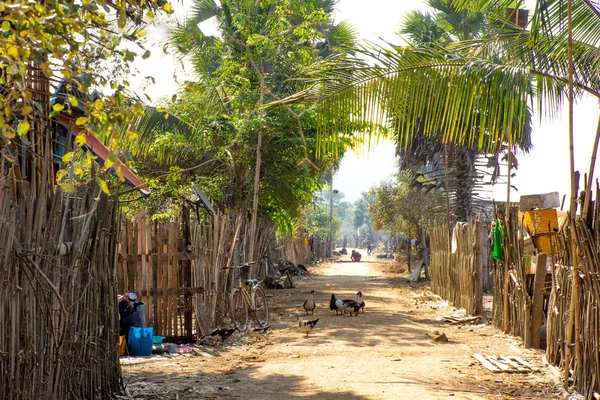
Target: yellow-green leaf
column 80, row 140
column 98, row 104
column 67, row 187
column 67, row 157
column 13, row 51
column 23, row 127
column 58, row 107
column 81, row 120
column 132, row 135
column 108, row 163
column 104, row 186
column 120, row 173
column 73, row 100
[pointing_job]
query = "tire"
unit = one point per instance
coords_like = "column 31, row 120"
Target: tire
column 239, row 311
column 261, row 308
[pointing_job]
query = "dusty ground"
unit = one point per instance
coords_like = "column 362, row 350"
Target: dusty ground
column 385, row 353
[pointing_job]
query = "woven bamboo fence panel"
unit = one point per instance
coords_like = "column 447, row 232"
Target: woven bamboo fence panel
column 153, row 263
column 585, row 363
column 58, row 293
column 295, row 248
column 176, row 268
column 456, row 276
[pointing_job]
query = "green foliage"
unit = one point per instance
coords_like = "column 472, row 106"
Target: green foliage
column 84, row 47
column 263, row 50
column 397, row 206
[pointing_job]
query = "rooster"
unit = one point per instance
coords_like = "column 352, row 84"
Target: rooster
column 309, row 305
column 349, row 306
column 307, row 326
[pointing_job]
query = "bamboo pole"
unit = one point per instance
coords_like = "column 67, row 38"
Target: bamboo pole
column 588, row 186
column 574, row 317
column 507, row 252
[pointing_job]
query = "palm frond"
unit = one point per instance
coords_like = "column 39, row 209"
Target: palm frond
column 473, row 103
column 152, row 124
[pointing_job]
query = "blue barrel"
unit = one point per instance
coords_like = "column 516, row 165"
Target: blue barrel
column 139, row 341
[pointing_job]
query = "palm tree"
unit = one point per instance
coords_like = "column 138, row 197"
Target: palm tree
column 449, row 166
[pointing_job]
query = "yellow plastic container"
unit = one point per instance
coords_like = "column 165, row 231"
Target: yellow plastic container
column 122, row 346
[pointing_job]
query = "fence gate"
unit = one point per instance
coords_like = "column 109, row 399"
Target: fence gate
column 153, row 263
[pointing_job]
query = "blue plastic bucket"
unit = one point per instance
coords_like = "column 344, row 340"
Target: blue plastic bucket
column 139, row 341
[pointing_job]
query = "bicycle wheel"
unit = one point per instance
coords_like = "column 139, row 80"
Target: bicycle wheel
column 239, row 311
column 261, row 308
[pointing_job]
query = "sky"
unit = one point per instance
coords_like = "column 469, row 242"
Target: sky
column 544, row 169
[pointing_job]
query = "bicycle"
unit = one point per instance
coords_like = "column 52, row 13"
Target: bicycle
column 244, row 302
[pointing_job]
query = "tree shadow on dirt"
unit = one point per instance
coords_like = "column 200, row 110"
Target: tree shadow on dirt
column 240, row 382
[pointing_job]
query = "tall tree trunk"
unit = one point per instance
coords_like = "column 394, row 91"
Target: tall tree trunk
column 465, row 182
column 254, row 217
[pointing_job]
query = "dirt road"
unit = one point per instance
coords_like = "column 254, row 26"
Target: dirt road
column 386, row 353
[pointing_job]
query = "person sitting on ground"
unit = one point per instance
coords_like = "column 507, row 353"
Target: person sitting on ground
column 355, row 256
column 344, row 251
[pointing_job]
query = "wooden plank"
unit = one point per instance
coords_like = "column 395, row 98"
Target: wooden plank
column 181, row 256
column 174, row 291
column 123, row 276
column 159, row 323
column 541, row 201
column 494, row 360
column 514, row 364
column 172, row 277
column 537, row 311
column 525, row 363
column 165, row 282
column 478, row 268
column 130, row 249
column 486, row 363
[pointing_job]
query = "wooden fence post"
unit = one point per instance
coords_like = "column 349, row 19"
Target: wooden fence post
column 478, row 281
column 538, row 300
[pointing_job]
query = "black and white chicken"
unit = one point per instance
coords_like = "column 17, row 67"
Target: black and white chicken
column 309, row 305
column 219, row 335
column 306, row 325
column 360, row 301
column 341, row 306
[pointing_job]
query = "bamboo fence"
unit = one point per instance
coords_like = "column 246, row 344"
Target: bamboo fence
column 59, row 334
column 518, row 298
column 295, row 248
column 176, row 268
column 154, row 263
column 583, row 367
column 457, row 276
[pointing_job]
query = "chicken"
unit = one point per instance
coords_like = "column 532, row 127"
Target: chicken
column 360, row 301
column 219, row 335
column 349, row 306
column 256, row 332
column 309, row 305
column 306, row 326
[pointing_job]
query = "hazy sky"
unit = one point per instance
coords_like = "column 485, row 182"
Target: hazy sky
column 545, row 169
